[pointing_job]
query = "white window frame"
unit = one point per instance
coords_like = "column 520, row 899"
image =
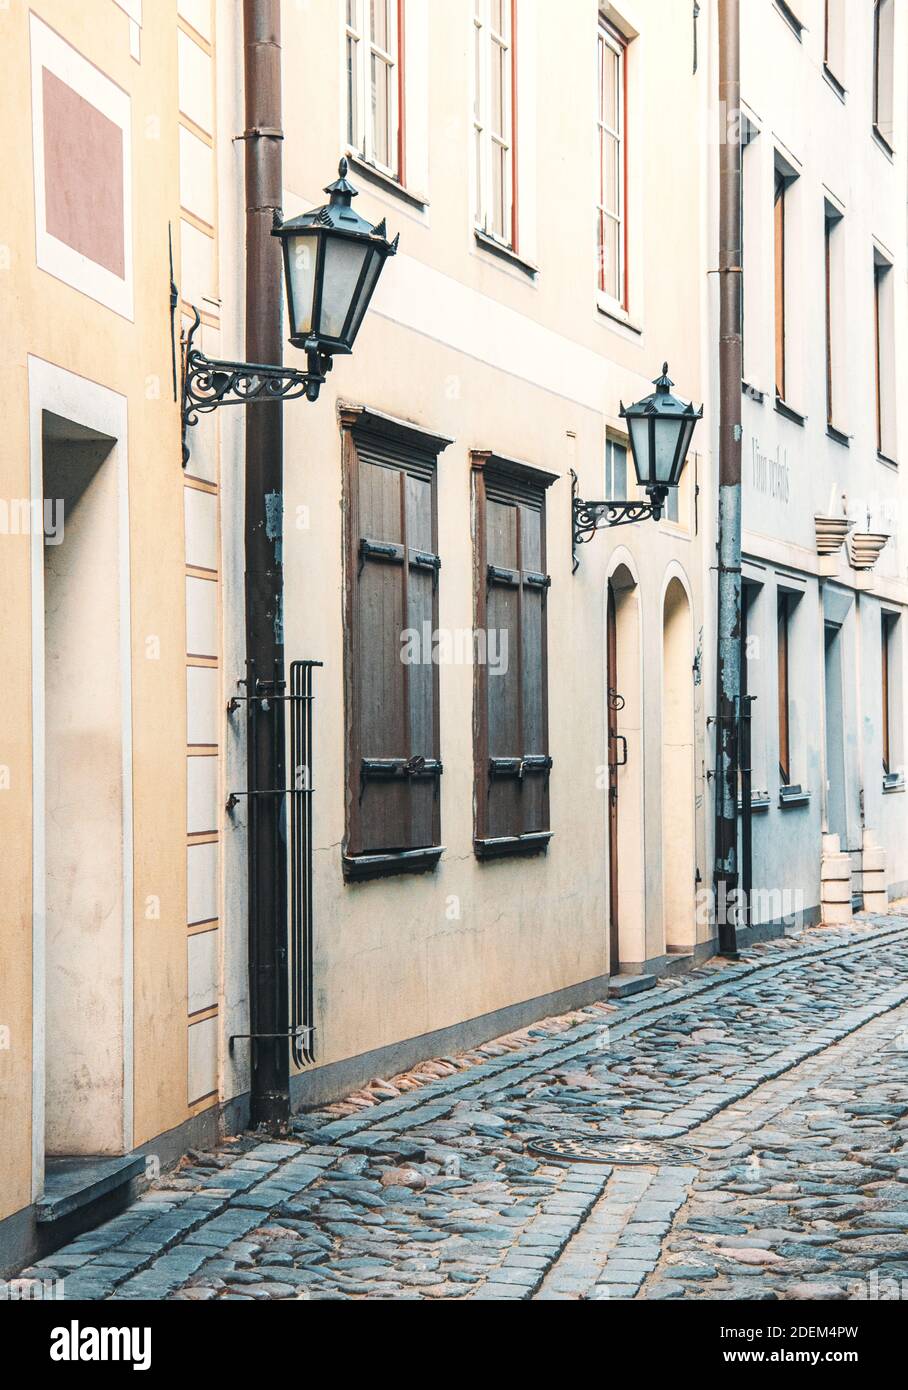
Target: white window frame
column 359, row 32
column 612, row 492
column 607, row 38
column 883, row 76
column 486, row 140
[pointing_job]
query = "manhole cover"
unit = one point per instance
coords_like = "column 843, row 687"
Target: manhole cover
column 623, row 1153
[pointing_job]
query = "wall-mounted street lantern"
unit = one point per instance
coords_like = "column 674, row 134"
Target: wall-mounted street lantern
column 660, row 428
column 332, row 261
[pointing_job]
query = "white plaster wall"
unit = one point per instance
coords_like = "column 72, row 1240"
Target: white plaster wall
column 799, row 117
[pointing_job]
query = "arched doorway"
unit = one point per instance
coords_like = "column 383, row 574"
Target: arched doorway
column 678, row 833
column 625, row 771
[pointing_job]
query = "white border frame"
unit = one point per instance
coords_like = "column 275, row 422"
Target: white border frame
column 49, row 51
column 97, row 408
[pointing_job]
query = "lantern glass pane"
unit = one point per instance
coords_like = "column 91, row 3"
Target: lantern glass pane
column 639, row 433
column 344, row 259
column 668, row 432
column 372, row 273
column 687, row 436
column 302, row 252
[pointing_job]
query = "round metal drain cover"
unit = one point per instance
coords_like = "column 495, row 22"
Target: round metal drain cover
column 622, row 1153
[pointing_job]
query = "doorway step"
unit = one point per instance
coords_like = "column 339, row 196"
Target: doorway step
column 874, row 895
column 835, row 883
column 622, row 986
column 71, row 1184
column 678, row 960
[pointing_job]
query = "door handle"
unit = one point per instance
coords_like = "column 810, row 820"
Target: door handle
column 619, row 738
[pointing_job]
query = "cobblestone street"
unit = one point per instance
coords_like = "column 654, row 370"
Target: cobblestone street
column 763, row 1109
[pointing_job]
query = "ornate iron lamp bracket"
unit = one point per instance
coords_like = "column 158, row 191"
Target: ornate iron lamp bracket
column 209, row 382
column 589, row 517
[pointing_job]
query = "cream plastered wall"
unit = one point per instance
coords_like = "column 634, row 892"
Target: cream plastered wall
column 471, row 347
column 128, row 353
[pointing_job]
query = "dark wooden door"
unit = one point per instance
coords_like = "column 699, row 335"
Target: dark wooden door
column 613, row 702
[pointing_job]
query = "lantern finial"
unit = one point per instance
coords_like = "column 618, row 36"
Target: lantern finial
column 342, row 191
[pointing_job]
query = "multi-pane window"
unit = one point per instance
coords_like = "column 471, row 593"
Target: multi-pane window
column 784, row 634
column 883, row 60
column 391, row 671
column 616, row 478
column 615, row 469
column 511, row 749
column 374, row 82
column 610, row 208
column 494, row 113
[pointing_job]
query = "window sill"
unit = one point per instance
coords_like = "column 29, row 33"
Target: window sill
column 372, row 174
column 791, row 19
column 505, row 253
column 838, row 435
column 883, row 143
column 611, row 309
column 884, row 458
column 794, row 795
column 753, row 393
column 507, row 845
column 789, row 413
column 893, row 782
column 834, row 83
column 358, row 867
column 759, row 801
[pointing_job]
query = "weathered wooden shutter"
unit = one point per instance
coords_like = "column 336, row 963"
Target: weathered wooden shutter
column 394, row 764
column 383, row 733
column 504, row 686
column 421, row 677
column 512, row 758
column 534, row 673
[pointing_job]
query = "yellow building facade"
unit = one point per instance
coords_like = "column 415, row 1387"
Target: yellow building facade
column 552, row 256
column 110, row 588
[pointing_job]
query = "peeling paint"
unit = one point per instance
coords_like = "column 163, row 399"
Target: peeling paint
column 274, row 523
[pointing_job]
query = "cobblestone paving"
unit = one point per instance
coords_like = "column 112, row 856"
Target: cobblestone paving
column 786, row 1072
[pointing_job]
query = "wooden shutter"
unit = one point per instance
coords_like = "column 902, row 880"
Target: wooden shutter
column 393, row 755
column 504, row 695
column 534, row 672
column 511, row 721
column 784, row 735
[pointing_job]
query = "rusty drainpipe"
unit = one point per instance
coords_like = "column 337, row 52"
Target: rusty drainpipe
column 267, row 843
column 728, row 668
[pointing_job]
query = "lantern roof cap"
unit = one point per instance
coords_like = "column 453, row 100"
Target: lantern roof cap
column 335, row 215
column 661, row 402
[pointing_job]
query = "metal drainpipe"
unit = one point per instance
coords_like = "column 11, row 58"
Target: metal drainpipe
column 267, row 843
column 728, row 669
